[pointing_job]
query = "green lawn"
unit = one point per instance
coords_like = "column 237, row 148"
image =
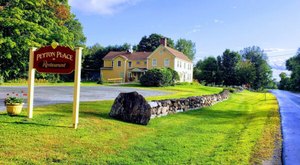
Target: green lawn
column 240, row 130
column 179, row 91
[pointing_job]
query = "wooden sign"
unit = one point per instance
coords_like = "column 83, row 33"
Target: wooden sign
column 54, row 59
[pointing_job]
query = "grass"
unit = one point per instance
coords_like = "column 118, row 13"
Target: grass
column 241, row 130
column 179, row 91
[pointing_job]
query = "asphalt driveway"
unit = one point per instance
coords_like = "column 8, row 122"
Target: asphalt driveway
column 64, row 94
column 289, row 104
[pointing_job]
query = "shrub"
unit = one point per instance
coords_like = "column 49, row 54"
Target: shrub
column 175, row 76
column 159, row 77
column 100, row 81
column 231, row 90
column 183, row 83
column 1, row 79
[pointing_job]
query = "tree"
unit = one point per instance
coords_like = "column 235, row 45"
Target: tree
column 206, row 70
column 33, row 23
column 293, row 64
column 187, row 47
column 92, row 60
column 219, row 73
column 285, row 81
column 263, row 72
column 245, row 72
column 230, row 60
column 197, row 71
column 150, row 43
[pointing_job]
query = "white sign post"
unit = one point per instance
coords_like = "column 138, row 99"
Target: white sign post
column 77, row 75
column 57, row 56
column 31, row 74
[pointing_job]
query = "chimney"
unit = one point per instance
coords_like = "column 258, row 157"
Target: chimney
column 163, row 41
column 130, row 50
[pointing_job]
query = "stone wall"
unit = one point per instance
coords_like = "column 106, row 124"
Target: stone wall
column 170, row 106
column 132, row 107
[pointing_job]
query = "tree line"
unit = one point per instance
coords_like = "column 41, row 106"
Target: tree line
column 33, row 23
column 247, row 67
column 93, row 55
column 36, row 23
column 291, row 82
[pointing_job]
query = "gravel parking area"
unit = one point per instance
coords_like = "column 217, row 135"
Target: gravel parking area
column 64, row 94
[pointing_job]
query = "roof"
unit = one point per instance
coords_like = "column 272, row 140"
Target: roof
column 137, row 69
column 143, row 55
column 130, row 56
column 178, row 54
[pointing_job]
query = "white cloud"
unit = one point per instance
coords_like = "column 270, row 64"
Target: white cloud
column 275, row 50
column 218, row 21
column 277, row 58
column 195, row 29
column 102, row 7
column 276, row 73
column 277, row 63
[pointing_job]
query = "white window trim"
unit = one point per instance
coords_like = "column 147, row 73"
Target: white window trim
column 166, row 62
column 154, row 63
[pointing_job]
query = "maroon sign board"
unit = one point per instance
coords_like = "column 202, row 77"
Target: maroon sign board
column 58, row 59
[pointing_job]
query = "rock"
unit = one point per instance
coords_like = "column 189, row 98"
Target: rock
column 131, row 107
column 153, row 104
column 164, row 111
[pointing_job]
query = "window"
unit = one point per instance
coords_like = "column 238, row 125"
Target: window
column 161, row 52
column 184, row 65
column 112, row 64
column 166, row 62
column 119, row 63
column 154, row 62
column 129, row 64
column 177, row 64
column 145, row 62
column 138, row 62
column 180, row 64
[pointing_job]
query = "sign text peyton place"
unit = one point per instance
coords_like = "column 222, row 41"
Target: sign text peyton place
column 58, row 59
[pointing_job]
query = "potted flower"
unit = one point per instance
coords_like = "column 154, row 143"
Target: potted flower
column 14, row 104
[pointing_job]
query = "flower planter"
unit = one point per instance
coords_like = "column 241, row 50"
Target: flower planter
column 14, row 109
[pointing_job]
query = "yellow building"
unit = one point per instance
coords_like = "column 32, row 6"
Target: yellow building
column 130, row 66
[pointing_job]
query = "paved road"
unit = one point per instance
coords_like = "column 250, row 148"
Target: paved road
column 53, row 95
column 289, row 104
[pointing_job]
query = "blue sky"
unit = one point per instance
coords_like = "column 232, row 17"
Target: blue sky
column 214, row 25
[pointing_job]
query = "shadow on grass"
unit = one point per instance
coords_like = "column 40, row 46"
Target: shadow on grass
column 14, row 116
column 95, row 114
column 231, row 116
column 25, row 122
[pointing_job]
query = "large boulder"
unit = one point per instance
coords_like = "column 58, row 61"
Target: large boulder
column 131, row 107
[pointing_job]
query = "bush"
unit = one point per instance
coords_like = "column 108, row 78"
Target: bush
column 183, row 83
column 1, row 79
column 159, row 77
column 175, row 76
column 100, row 81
